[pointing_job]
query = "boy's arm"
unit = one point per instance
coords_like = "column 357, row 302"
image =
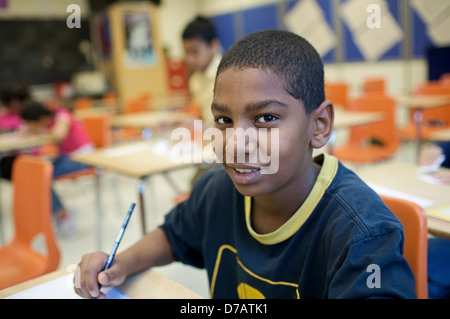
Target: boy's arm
column 152, row 250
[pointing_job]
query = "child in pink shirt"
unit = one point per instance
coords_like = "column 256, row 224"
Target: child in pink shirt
column 69, row 135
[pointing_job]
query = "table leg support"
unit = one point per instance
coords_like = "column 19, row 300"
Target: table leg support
column 98, row 175
column 140, row 189
column 418, row 118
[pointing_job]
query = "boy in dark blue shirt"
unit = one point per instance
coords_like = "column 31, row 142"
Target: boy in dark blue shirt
column 308, row 229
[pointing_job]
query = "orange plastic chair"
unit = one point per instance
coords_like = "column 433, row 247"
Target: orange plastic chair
column 372, row 142
column 434, row 119
column 32, row 178
column 414, row 221
column 337, row 93
column 374, row 84
column 82, row 103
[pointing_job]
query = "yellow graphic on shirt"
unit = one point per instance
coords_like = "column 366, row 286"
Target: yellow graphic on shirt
column 248, row 279
column 248, row 292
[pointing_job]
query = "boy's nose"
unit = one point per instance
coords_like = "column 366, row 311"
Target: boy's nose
column 240, row 143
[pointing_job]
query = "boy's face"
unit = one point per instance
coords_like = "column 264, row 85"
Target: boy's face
column 198, row 53
column 256, row 99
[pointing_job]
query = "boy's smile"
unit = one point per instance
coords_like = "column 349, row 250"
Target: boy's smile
column 256, row 99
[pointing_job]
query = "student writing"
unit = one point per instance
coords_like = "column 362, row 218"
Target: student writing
column 312, row 229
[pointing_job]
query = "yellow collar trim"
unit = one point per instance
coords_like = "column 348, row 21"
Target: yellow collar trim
column 288, row 229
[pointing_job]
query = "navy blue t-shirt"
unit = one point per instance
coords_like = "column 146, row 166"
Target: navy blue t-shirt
column 446, row 151
column 343, row 242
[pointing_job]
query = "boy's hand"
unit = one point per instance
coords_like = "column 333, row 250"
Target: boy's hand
column 89, row 274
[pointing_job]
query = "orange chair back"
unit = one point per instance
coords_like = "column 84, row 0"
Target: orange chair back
column 32, row 178
column 374, row 85
column 337, row 93
column 384, row 131
column 98, row 129
column 82, row 103
column 414, row 221
column 438, row 115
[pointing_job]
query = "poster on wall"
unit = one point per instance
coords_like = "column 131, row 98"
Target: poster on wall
column 138, row 40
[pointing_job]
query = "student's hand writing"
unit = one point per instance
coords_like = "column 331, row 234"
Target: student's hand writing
column 89, row 274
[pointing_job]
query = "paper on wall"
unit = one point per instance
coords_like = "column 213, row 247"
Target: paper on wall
column 306, row 19
column 373, row 42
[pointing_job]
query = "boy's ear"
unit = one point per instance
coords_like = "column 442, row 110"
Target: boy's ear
column 323, row 119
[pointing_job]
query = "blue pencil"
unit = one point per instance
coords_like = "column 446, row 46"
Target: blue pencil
column 110, row 259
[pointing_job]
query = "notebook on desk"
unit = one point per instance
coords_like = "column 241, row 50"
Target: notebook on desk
column 62, row 288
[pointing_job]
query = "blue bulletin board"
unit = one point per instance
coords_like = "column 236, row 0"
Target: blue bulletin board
column 234, row 25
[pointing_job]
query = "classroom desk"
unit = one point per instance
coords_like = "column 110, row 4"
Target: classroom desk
column 139, row 160
column 402, row 177
column 347, row 119
column 11, row 142
column 441, row 136
column 418, row 104
column 149, row 119
column 148, row 284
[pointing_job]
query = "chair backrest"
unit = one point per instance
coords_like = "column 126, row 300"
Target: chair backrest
column 439, row 114
column 82, row 103
column 98, row 128
column 374, row 84
column 384, row 131
column 32, row 180
column 414, row 221
column 337, row 92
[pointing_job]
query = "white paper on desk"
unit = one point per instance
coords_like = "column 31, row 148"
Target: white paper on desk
column 62, row 288
column 423, row 202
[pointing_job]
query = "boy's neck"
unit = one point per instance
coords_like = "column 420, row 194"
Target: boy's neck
column 271, row 211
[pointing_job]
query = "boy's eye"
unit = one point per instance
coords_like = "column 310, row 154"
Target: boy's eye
column 223, row 120
column 266, row 118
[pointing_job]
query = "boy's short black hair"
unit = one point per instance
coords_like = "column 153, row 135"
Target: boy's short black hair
column 201, row 28
column 33, row 111
column 14, row 91
column 286, row 54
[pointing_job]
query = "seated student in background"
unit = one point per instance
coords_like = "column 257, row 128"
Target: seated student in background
column 308, row 229
column 203, row 54
column 431, row 153
column 12, row 97
column 438, row 248
column 70, row 136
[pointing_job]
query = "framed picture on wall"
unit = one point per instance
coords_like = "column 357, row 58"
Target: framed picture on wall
column 139, row 44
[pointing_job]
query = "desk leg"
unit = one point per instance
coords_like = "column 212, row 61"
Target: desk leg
column 171, row 182
column 98, row 175
column 418, row 118
column 2, row 226
column 140, row 189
